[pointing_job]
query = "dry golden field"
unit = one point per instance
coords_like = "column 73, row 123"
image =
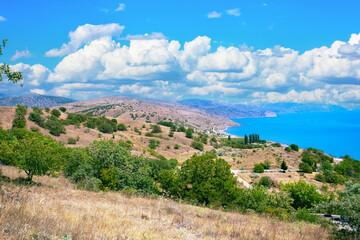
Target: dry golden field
column 52, row 208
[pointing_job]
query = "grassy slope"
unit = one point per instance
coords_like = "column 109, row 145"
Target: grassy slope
column 53, row 208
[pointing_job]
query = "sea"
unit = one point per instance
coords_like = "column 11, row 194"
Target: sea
column 336, row 133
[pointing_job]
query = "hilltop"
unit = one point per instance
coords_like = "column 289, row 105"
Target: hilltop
column 143, row 110
column 34, row 100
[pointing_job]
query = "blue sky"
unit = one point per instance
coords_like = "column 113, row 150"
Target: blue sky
column 240, row 51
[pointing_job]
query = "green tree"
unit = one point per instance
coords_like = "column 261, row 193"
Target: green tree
column 5, row 69
column 37, row 155
column 203, row 179
column 284, row 165
column 304, row 195
column 246, row 139
column 229, row 138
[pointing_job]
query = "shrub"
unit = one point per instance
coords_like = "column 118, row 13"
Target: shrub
column 197, row 145
column 105, row 128
column 276, row 145
column 55, row 113
column 181, row 129
column 189, row 133
column 258, row 168
column 320, row 177
column 265, row 181
column 71, row 140
column 156, row 129
column 176, row 146
column 34, row 129
column 62, row 109
column 267, row 165
column 171, row 134
column 304, row 167
column 294, row 147
column 287, row 149
column 55, row 126
column 121, row 127
column 303, row 214
column 18, row 123
column 37, row 118
column 47, row 109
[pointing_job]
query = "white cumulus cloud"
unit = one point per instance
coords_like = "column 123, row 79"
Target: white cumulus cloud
column 234, row 12
column 83, row 34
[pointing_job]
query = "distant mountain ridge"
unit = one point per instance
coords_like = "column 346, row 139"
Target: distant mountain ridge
column 231, row 110
column 35, row 100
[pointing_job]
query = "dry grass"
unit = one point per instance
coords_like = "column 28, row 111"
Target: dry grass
column 53, row 208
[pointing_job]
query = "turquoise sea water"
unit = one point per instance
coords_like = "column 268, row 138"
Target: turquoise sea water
column 336, row 133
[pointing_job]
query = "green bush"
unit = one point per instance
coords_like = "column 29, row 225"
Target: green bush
column 62, row 109
column 37, row 118
column 303, row 214
column 105, row 128
column 259, row 168
column 276, row 145
column 197, row 145
column 55, row 126
column 18, row 123
column 189, row 133
column 304, row 167
column 176, row 146
column 181, row 129
column 171, row 134
column 294, row 147
column 287, row 149
column 121, row 127
column 156, row 129
column 55, row 113
column 265, row 182
column 47, row 109
column 71, row 141
column 267, row 165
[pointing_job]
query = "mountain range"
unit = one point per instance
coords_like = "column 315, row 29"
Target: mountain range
column 232, row 110
column 35, row 100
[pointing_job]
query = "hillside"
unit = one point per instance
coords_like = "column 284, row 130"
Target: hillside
column 237, row 158
column 142, row 110
column 34, row 100
column 53, row 208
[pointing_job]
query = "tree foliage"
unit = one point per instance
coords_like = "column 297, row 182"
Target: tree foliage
column 34, row 153
column 5, row 69
column 203, row 179
column 304, row 195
